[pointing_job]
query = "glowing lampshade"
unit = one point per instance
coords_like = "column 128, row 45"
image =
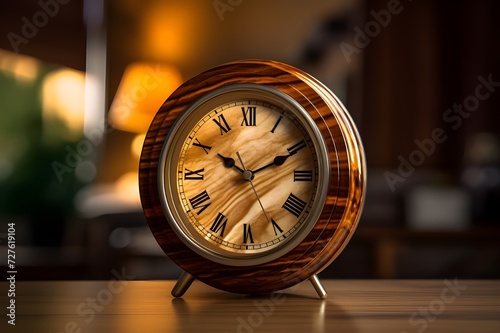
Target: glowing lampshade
column 63, row 99
column 143, row 89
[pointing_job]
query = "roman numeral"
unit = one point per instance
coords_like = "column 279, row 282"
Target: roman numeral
column 247, row 233
column 249, row 116
column 276, row 124
column 276, row 227
column 199, row 201
column 199, row 144
column 219, row 224
column 194, row 175
column 294, row 205
column 296, row 147
column 222, row 123
column 302, row 175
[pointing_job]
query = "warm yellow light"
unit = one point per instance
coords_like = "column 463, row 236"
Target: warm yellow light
column 137, row 145
column 167, row 30
column 127, row 186
column 24, row 69
column 63, row 100
column 127, row 183
column 143, row 89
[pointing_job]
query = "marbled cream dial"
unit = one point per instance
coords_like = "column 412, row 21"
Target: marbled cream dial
column 247, row 176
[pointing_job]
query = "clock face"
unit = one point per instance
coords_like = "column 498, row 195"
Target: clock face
column 243, row 173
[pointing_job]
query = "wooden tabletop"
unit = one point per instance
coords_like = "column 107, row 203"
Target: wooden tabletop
column 352, row 306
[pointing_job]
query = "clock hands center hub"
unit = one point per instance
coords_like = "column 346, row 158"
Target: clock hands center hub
column 248, row 175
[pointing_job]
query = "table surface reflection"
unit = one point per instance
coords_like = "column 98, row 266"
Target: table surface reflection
column 352, row 306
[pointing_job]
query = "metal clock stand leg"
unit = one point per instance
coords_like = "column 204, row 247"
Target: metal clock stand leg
column 182, row 284
column 318, row 286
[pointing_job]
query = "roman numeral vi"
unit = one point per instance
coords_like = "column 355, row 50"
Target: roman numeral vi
column 247, row 233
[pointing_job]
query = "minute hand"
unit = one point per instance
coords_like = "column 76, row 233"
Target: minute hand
column 278, row 160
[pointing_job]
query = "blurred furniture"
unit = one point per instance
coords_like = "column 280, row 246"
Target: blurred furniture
column 381, row 252
column 95, row 246
column 477, row 251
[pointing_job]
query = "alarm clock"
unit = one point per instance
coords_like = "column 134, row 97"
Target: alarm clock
column 252, row 178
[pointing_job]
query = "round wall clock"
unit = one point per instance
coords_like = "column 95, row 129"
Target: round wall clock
column 252, row 178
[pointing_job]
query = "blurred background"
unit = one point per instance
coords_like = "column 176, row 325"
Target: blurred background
column 80, row 80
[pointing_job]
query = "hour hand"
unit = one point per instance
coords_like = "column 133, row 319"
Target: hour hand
column 229, row 163
column 278, row 160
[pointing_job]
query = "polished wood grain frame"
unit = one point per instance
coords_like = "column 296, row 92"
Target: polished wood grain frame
column 339, row 216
